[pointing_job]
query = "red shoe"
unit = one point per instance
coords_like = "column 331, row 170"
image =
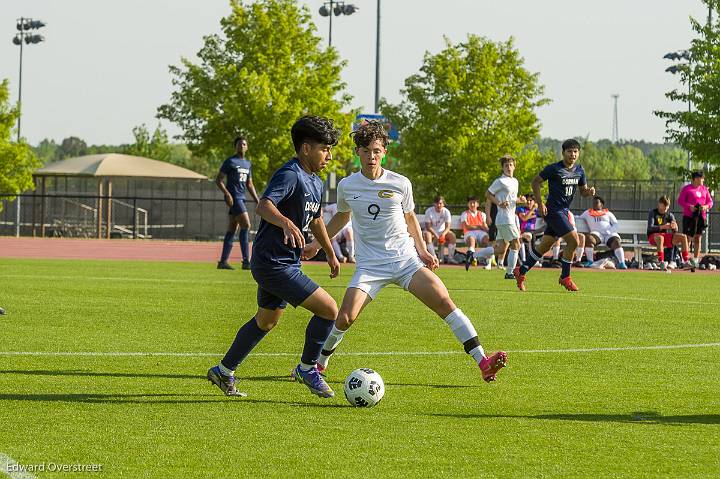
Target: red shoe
column 519, row 278
column 491, row 365
column 568, row 284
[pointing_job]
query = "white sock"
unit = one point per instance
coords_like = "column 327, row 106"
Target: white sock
column 335, row 337
column 305, row 366
column 556, row 252
column 589, row 254
column 471, row 249
column 336, row 248
column 464, row 331
column 522, row 252
column 226, row 371
column 485, row 252
column 578, row 253
column 512, row 258
column 620, row 254
column 350, row 245
column 451, row 250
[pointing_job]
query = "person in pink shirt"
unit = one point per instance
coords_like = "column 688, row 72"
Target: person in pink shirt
column 696, row 201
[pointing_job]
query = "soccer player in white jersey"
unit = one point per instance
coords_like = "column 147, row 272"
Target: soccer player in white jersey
column 504, row 193
column 329, row 211
column 390, row 249
column 603, row 229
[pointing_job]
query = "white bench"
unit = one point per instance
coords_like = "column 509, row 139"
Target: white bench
column 632, row 232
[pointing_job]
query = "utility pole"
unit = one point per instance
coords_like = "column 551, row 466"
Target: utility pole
column 615, row 131
column 377, row 61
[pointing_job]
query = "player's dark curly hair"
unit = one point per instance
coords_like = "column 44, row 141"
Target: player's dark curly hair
column 316, row 129
column 570, row 144
column 599, row 198
column 369, row 132
column 238, row 139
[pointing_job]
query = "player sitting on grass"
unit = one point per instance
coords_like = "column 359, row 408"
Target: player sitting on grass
column 564, row 178
column 288, row 208
column 390, row 249
column 475, row 232
column 603, row 229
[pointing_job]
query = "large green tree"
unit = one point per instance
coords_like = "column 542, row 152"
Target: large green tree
column 698, row 131
column 17, row 159
column 155, row 146
column 470, row 104
column 266, row 70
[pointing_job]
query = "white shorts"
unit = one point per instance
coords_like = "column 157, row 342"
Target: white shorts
column 605, row 238
column 507, row 232
column 371, row 279
column 477, row 234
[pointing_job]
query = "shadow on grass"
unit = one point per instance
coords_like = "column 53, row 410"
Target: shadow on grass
column 280, row 378
column 642, row 417
column 155, row 399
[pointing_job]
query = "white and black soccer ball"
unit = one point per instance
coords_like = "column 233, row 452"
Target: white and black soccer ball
column 364, row 388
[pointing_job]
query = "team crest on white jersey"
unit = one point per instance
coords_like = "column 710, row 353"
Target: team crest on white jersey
column 385, row 194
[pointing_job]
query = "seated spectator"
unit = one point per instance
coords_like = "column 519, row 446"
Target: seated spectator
column 437, row 231
column 346, row 233
column 662, row 232
column 527, row 215
column 695, row 201
column 475, row 232
column 603, row 230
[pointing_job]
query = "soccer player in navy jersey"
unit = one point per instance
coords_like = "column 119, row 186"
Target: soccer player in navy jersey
column 238, row 171
column 289, row 207
column 564, row 178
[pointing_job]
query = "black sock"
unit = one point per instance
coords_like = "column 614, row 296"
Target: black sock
column 566, row 263
column 317, row 331
column 245, row 340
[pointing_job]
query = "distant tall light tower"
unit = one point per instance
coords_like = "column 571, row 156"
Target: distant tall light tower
column 25, row 37
column 615, row 132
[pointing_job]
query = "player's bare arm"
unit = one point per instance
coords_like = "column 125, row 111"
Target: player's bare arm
column 317, row 226
column 491, row 198
column 587, row 191
column 267, row 210
column 220, row 182
column 414, row 230
column 336, row 223
column 488, row 212
column 536, row 185
column 251, row 190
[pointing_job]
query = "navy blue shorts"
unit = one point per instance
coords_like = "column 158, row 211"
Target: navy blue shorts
column 278, row 287
column 238, row 207
column 558, row 223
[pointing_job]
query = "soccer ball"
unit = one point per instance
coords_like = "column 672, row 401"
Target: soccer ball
column 364, row 388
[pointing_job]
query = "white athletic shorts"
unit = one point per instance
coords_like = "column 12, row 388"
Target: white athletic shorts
column 372, row 279
column 477, row 234
column 507, row 232
column 605, row 238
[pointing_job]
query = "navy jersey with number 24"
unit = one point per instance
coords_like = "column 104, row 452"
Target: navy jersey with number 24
column 296, row 194
column 562, row 184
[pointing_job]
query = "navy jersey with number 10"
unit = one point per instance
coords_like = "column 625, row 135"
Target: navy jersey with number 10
column 562, row 184
column 296, row 194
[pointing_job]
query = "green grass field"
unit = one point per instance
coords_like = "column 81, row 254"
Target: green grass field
column 553, row 412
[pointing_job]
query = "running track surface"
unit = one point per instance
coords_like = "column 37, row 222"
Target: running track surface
column 120, row 249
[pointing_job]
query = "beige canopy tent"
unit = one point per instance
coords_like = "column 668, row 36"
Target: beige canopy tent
column 105, row 167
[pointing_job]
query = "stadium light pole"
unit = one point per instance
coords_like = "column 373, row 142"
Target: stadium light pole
column 336, row 8
column 25, row 37
column 675, row 56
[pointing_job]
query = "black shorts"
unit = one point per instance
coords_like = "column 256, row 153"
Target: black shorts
column 237, row 208
column 690, row 228
column 278, row 287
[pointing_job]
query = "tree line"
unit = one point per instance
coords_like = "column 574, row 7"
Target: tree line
column 467, row 105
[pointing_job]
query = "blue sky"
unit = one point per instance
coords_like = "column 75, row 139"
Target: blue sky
column 104, row 66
